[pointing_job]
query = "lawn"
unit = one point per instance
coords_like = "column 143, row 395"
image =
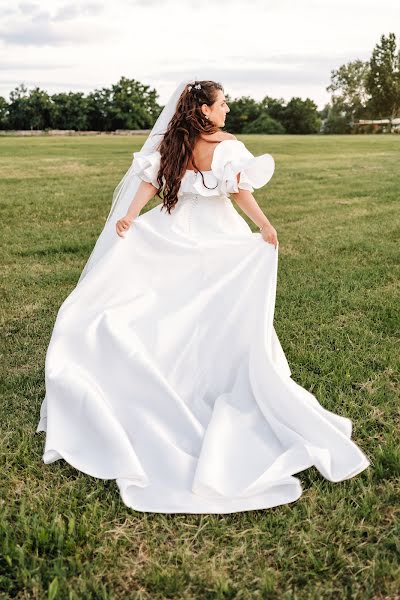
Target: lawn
column 334, row 201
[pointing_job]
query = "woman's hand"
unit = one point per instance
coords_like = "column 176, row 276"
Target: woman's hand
column 123, row 224
column 269, row 234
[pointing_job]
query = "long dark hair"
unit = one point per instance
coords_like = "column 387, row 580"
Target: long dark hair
column 176, row 147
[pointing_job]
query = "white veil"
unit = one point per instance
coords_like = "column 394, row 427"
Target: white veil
column 126, row 189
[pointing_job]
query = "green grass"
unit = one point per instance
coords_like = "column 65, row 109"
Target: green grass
column 334, row 201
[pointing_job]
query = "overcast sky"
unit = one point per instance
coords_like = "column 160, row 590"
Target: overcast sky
column 280, row 48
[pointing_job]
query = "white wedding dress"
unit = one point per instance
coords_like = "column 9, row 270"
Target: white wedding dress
column 164, row 371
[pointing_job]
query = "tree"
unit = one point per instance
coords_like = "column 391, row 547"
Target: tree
column 29, row 110
column 40, row 109
column 98, row 109
column 335, row 120
column 383, row 80
column 69, row 111
column 264, row 124
column 3, row 113
column 133, row 105
column 18, row 108
column 127, row 105
column 301, row 116
column 348, row 89
column 274, row 107
column 243, row 111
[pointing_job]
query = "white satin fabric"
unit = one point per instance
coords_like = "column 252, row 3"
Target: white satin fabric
column 165, row 373
column 230, row 157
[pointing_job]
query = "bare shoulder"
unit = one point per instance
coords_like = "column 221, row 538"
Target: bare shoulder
column 228, row 136
column 218, row 136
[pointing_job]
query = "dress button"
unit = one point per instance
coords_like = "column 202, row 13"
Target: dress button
column 194, row 198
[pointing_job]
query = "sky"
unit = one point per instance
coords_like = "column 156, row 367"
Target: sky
column 258, row 48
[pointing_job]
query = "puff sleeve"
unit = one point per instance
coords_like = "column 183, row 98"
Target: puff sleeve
column 146, row 166
column 232, row 157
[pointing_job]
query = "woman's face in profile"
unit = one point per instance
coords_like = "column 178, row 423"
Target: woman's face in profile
column 217, row 111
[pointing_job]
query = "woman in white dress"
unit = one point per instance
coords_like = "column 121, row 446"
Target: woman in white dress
column 164, row 370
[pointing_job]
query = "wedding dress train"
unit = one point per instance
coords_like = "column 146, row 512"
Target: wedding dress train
column 164, row 370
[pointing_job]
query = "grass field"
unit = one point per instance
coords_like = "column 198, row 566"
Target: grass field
column 334, row 201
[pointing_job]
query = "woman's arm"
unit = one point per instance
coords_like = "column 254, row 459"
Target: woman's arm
column 145, row 192
column 250, row 207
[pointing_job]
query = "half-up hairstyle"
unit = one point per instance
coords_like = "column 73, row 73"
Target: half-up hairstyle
column 176, row 147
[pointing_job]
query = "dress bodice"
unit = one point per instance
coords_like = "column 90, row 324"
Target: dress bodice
column 230, row 158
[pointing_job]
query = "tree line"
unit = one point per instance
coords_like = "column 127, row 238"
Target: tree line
column 365, row 89
column 129, row 104
column 359, row 90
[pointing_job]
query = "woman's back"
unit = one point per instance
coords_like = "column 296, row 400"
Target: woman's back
column 204, row 149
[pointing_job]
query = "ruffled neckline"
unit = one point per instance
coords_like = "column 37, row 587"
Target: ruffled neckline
column 192, row 182
column 213, row 157
column 230, row 157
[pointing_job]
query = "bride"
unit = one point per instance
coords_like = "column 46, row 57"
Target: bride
column 164, row 370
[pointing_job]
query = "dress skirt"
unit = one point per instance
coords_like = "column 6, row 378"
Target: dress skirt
column 165, row 373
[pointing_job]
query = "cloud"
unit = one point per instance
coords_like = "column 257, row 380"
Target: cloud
column 39, row 34
column 280, row 48
column 283, row 70
column 28, row 8
column 40, row 28
column 69, row 12
column 6, row 12
column 292, row 60
column 68, row 86
column 239, row 75
column 24, row 66
column 64, row 13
